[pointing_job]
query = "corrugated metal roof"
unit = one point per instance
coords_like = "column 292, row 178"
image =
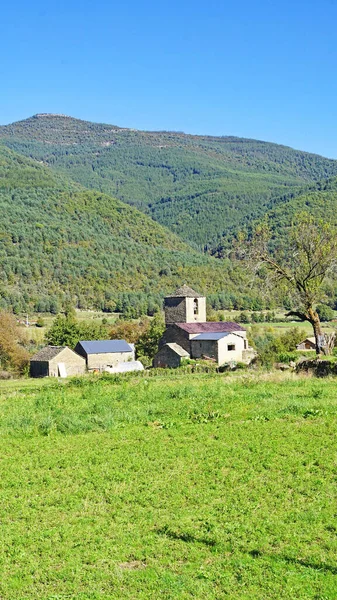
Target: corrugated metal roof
column 47, row 353
column 211, row 336
column 105, row 346
column 211, row 327
column 185, row 292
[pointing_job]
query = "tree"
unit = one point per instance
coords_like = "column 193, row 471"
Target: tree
column 67, row 331
column 300, row 264
column 12, row 354
column 147, row 345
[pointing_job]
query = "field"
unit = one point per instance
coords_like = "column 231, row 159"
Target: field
column 171, row 486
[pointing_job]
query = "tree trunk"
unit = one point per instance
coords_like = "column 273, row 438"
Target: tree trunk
column 319, row 335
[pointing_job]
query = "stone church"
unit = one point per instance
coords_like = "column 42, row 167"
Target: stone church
column 189, row 335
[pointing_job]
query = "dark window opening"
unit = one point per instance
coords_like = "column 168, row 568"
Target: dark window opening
column 231, row 347
column 195, row 306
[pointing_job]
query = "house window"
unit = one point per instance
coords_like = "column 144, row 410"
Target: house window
column 231, row 347
column 195, row 306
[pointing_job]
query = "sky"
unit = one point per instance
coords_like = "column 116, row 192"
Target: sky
column 257, row 69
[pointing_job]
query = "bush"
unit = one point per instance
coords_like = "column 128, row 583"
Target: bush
column 271, row 346
column 287, row 357
column 324, row 312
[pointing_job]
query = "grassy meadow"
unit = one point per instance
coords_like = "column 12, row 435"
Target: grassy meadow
column 171, row 486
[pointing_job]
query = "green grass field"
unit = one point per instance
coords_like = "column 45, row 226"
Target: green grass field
column 174, row 486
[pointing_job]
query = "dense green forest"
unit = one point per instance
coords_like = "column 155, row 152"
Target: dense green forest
column 61, row 243
column 199, row 187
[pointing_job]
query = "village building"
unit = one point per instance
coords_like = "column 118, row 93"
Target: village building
column 56, row 361
column 308, row 344
column 187, row 330
column 101, row 355
column 171, row 355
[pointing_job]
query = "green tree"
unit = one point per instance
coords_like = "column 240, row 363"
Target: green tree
column 147, row 345
column 299, row 265
column 65, row 331
column 324, row 312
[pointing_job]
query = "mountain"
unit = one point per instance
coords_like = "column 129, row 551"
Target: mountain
column 59, row 242
column 200, row 187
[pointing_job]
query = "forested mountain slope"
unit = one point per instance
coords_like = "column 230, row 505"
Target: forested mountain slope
column 319, row 199
column 198, row 186
column 59, row 241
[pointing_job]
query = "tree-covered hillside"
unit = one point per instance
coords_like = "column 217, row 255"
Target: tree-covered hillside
column 198, row 186
column 59, row 242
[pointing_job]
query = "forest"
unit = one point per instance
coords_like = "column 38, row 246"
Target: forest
column 200, row 187
column 113, row 219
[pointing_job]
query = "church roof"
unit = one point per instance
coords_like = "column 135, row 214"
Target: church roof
column 210, row 327
column 185, row 292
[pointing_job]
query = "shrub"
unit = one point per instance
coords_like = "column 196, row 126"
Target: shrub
column 324, row 312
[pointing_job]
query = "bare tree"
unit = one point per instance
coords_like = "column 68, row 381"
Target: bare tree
column 300, row 264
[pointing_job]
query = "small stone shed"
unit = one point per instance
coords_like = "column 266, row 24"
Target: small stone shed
column 100, row 354
column 308, row 344
column 170, row 355
column 56, row 361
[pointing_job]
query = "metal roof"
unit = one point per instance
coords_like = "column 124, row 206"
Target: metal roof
column 47, row 353
column 105, row 346
column 177, row 349
column 210, row 327
column 185, row 292
column 211, row 336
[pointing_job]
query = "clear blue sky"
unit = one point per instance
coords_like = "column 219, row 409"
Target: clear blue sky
column 260, row 69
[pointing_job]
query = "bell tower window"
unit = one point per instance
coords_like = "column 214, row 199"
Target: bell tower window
column 195, row 306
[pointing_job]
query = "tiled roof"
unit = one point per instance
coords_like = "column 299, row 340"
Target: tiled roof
column 105, row 346
column 47, row 353
column 185, row 292
column 210, row 327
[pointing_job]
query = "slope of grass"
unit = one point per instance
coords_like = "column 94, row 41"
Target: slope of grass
column 173, row 487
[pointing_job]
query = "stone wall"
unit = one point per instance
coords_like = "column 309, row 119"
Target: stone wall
column 176, row 335
column 175, row 310
column 74, row 364
column 166, row 357
column 109, row 359
column 200, row 348
column 182, row 310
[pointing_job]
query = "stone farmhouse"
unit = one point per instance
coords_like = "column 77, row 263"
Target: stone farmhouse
column 189, row 335
column 56, row 361
column 113, row 356
column 104, row 354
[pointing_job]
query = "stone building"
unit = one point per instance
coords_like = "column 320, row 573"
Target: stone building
column 56, row 361
column 171, row 355
column 185, row 306
column 103, row 354
column 187, row 329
